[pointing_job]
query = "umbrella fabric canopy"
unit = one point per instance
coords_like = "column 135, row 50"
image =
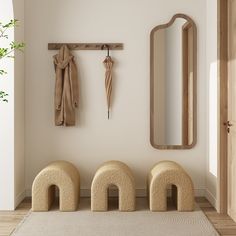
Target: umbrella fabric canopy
column 108, row 63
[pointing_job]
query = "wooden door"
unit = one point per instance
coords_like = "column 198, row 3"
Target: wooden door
column 231, row 123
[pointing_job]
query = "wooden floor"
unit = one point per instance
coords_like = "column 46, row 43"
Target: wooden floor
column 222, row 223
column 10, row 219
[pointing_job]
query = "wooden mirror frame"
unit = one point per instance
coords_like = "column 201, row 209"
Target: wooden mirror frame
column 184, row 146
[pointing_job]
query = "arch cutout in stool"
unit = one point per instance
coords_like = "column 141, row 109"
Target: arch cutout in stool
column 65, row 176
column 167, row 173
column 113, row 173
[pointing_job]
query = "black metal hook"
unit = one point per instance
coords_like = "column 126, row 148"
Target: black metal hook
column 108, row 49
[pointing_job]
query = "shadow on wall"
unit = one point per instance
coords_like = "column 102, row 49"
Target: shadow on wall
column 19, row 103
column 213, row 135
column 213, row 120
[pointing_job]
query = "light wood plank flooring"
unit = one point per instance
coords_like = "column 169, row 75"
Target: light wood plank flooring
column 10, row 219
column 222, row 223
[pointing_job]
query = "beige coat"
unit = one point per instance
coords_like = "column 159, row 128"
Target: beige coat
column 66, row 88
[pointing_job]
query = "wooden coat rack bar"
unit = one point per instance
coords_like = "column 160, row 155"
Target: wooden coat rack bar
column 85, row 46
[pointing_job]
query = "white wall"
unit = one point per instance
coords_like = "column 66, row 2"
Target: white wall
column 12, row 176
column 125, row 136
column 213, row 103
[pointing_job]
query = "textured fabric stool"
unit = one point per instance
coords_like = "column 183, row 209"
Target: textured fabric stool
column 113, row 173
column 63, row 175
column 167, row 173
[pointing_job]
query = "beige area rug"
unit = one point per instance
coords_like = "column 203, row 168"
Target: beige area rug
column 114, row 223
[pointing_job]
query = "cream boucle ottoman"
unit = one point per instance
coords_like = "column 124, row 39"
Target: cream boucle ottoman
column 63, row 175
column 170, row 173
column 113, row 173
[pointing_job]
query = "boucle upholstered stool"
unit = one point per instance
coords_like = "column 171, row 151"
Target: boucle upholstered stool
column 63, row 175
column 167, row 173
column 113, row 173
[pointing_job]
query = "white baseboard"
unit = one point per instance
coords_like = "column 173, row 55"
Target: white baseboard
column 19, row 198
column 113, row 192
column 210, row 197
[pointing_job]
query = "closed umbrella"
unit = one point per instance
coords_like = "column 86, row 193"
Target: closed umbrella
column 108, row 63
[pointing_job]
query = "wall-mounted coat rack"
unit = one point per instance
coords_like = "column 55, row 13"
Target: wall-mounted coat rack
column 85, row 46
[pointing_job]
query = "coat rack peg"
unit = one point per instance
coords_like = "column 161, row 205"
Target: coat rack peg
column 106, row 46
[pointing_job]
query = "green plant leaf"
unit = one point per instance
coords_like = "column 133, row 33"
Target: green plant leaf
column 3, row 96
column 6, row 52
column 18, row 46
column 3, row 52
column 3, row 72
column 12, row 23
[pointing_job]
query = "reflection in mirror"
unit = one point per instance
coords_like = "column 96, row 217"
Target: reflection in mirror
column 173, row 73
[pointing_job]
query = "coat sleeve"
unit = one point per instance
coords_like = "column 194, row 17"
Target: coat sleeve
column 58, row 86
column 74, row 83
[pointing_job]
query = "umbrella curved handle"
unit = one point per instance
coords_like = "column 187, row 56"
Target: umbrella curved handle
column 107, row 47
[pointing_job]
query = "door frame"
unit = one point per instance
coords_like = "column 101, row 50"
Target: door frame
column 222, row 54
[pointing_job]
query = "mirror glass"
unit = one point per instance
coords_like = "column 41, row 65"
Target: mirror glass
column 173, row 72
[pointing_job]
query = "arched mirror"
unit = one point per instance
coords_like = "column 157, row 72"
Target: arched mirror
column 173, row 84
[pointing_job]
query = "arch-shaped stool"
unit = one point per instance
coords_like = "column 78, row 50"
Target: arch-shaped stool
column 167, row 173
column 113, row 173
column 66, row 177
